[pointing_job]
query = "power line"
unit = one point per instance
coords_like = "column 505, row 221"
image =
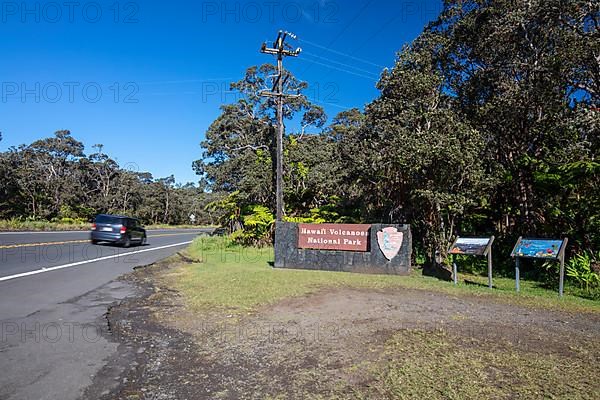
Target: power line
column 343, row 107
column 342, row 54
column 371, row 77
column 340, row 63
column 381, row 29
column 358, row 14
column 340, row 33
column 340, row 69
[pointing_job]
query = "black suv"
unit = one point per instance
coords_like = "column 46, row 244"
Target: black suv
column 117, row 229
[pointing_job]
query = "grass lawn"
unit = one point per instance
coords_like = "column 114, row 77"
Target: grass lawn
column 239, row 280
column 425, row 365
column 435, row 341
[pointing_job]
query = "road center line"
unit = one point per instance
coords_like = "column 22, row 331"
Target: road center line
column 43, row 270
column 36, row 232
column 14, row 246
column 18, row 245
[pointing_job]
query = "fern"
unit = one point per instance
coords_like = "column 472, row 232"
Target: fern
column 580, row 269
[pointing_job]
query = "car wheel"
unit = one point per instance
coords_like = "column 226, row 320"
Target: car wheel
column 127, row 242
column 93, row 241
column 143, row 241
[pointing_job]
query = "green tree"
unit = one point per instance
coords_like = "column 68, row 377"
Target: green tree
column 418, row 160
column 239, row 146
column 526, row 75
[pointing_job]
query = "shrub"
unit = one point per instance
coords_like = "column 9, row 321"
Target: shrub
column 257, row 226
column 579, row 268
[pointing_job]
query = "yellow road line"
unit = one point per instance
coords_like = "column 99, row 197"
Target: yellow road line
column 13, row 246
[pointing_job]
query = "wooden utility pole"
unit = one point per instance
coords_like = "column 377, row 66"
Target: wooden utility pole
column 280, row 49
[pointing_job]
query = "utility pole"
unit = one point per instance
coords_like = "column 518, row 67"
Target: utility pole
column 280, row 49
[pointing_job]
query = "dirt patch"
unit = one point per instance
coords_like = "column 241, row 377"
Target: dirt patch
column 332, row 344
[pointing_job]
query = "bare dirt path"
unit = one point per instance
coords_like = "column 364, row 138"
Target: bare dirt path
column 338, row 344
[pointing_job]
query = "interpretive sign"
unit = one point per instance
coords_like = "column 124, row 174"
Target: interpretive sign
column 537, row 248
column 365, row 248
column 350, row 237
column 547, row 249
column 472, row 247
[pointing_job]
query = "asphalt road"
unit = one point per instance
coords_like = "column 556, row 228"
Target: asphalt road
column 55, row 288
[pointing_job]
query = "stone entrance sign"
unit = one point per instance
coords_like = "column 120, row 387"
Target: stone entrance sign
column 366, row 248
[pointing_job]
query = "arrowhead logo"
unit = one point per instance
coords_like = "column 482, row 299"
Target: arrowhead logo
column 390, row 241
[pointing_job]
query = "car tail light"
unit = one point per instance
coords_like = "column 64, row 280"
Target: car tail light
column 123, row 229
column 94, row 226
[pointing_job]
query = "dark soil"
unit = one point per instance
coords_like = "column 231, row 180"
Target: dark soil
column 319, row 346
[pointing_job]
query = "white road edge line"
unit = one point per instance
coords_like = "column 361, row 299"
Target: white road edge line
column 43, row 270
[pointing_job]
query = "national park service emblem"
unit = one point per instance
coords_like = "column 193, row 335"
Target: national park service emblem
column 390, row 241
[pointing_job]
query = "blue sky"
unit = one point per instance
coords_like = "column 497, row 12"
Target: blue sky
column 147, row 78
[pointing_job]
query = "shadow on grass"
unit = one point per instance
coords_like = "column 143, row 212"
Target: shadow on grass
column 551, row 284
column 478, row 284
column 437, row 271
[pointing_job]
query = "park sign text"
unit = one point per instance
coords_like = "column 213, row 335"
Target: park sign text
column 347, row 237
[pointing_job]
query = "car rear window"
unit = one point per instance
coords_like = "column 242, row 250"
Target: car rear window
column 107, row 219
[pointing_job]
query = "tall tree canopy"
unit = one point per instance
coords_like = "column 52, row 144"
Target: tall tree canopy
column 526, row 74
column 53, row 179
column 239, row 146
column 487, row 123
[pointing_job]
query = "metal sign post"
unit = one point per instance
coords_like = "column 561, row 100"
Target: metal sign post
column 454, row 271
column 517, row 275
column 489, row 259
column 561, row 257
